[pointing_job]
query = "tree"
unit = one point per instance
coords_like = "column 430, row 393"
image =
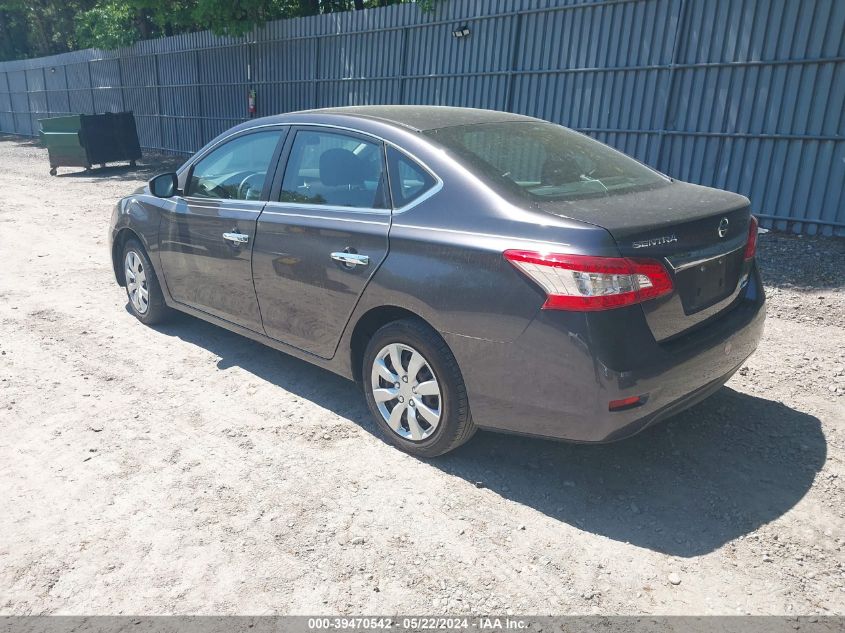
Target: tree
column 48, row 25
column 13, row 35
column 109, row 25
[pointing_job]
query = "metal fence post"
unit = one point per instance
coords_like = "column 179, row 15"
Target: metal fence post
column 403, row 65
column 46, row 92
column 317, row 72
column 515, row 43
column 158, row 104
column 670, row 82
column 28, row 100
column 200, row 101
column 250, row 72
column 91, row 87
column 9, row 95
column 120, row 81
column 67, row 87
column 11, row 105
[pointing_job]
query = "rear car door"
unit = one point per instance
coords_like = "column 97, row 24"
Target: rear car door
column 206, row 235
column 321, row 236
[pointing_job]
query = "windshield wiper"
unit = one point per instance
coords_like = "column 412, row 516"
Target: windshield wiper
column 586, row 178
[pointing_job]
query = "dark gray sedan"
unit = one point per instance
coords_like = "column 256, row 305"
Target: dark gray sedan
column 470, row 269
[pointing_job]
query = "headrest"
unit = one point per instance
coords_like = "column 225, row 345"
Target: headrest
column 340, row 167
column 561, row 169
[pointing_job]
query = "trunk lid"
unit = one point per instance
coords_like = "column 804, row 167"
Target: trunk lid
column 698, row 233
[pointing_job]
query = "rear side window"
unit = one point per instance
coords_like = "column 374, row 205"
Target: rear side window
column 543, row 161
column 408, row 179
column 331, row 169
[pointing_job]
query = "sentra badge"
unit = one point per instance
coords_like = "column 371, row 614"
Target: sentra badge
column 656, row 241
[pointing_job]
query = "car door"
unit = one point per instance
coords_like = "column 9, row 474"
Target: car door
column 206, row 235
column 321, row 236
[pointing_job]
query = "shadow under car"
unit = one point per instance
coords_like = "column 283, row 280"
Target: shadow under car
column 683, row 487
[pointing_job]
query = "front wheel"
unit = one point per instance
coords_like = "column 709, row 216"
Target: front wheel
column 146, row 300
column 415, row 390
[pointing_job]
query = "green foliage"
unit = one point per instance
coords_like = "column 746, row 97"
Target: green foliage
column 39, row 27
column 13, row 35
column 33, row 28
column 236, row 17
column 108, row 25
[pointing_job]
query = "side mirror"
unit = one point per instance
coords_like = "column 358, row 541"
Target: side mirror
column 164, row 185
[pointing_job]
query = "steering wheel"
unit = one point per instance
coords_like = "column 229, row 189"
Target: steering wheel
column 246, row 191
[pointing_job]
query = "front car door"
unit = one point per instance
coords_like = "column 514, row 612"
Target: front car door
column 206, row 235
column 321, row 236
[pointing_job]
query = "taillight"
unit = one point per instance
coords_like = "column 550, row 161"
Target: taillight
column 584, row 283
column 751, row 245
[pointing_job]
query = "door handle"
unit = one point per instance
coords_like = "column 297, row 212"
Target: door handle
column 350, row 260
column 236, row 238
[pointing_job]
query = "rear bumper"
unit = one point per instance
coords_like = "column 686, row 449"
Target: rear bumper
column 557, row 378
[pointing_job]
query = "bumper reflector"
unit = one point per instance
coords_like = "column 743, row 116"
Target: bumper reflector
column 626, row 403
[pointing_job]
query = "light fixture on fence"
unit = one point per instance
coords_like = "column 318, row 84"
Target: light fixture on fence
column 461, row 31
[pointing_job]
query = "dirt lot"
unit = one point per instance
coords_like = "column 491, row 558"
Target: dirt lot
column 184, row 469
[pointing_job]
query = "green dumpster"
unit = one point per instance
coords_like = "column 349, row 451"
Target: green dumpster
column 83, row 140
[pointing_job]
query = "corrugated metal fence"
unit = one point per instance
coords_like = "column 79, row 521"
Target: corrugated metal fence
column 746, row 95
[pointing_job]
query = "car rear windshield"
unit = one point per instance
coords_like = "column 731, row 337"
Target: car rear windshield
column 544, row 161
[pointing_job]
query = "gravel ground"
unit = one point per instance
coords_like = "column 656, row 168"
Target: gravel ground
column 185, row 469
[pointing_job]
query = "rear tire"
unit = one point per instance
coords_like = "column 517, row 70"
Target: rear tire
column 415, row 390
column 146, row 300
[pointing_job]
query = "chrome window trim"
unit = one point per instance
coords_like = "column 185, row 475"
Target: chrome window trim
column 331, row 207
column 322, row 217
column 423, row 197
column 428, row 194
column 476, row 234
column 205, row 204
column 198, row 157
column 434, row 189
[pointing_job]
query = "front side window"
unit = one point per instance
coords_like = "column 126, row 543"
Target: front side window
column 331, row 169
column 237, row 170
column 543, row 161
column 408, row 180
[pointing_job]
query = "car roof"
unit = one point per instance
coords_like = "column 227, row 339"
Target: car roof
column 417, row 117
